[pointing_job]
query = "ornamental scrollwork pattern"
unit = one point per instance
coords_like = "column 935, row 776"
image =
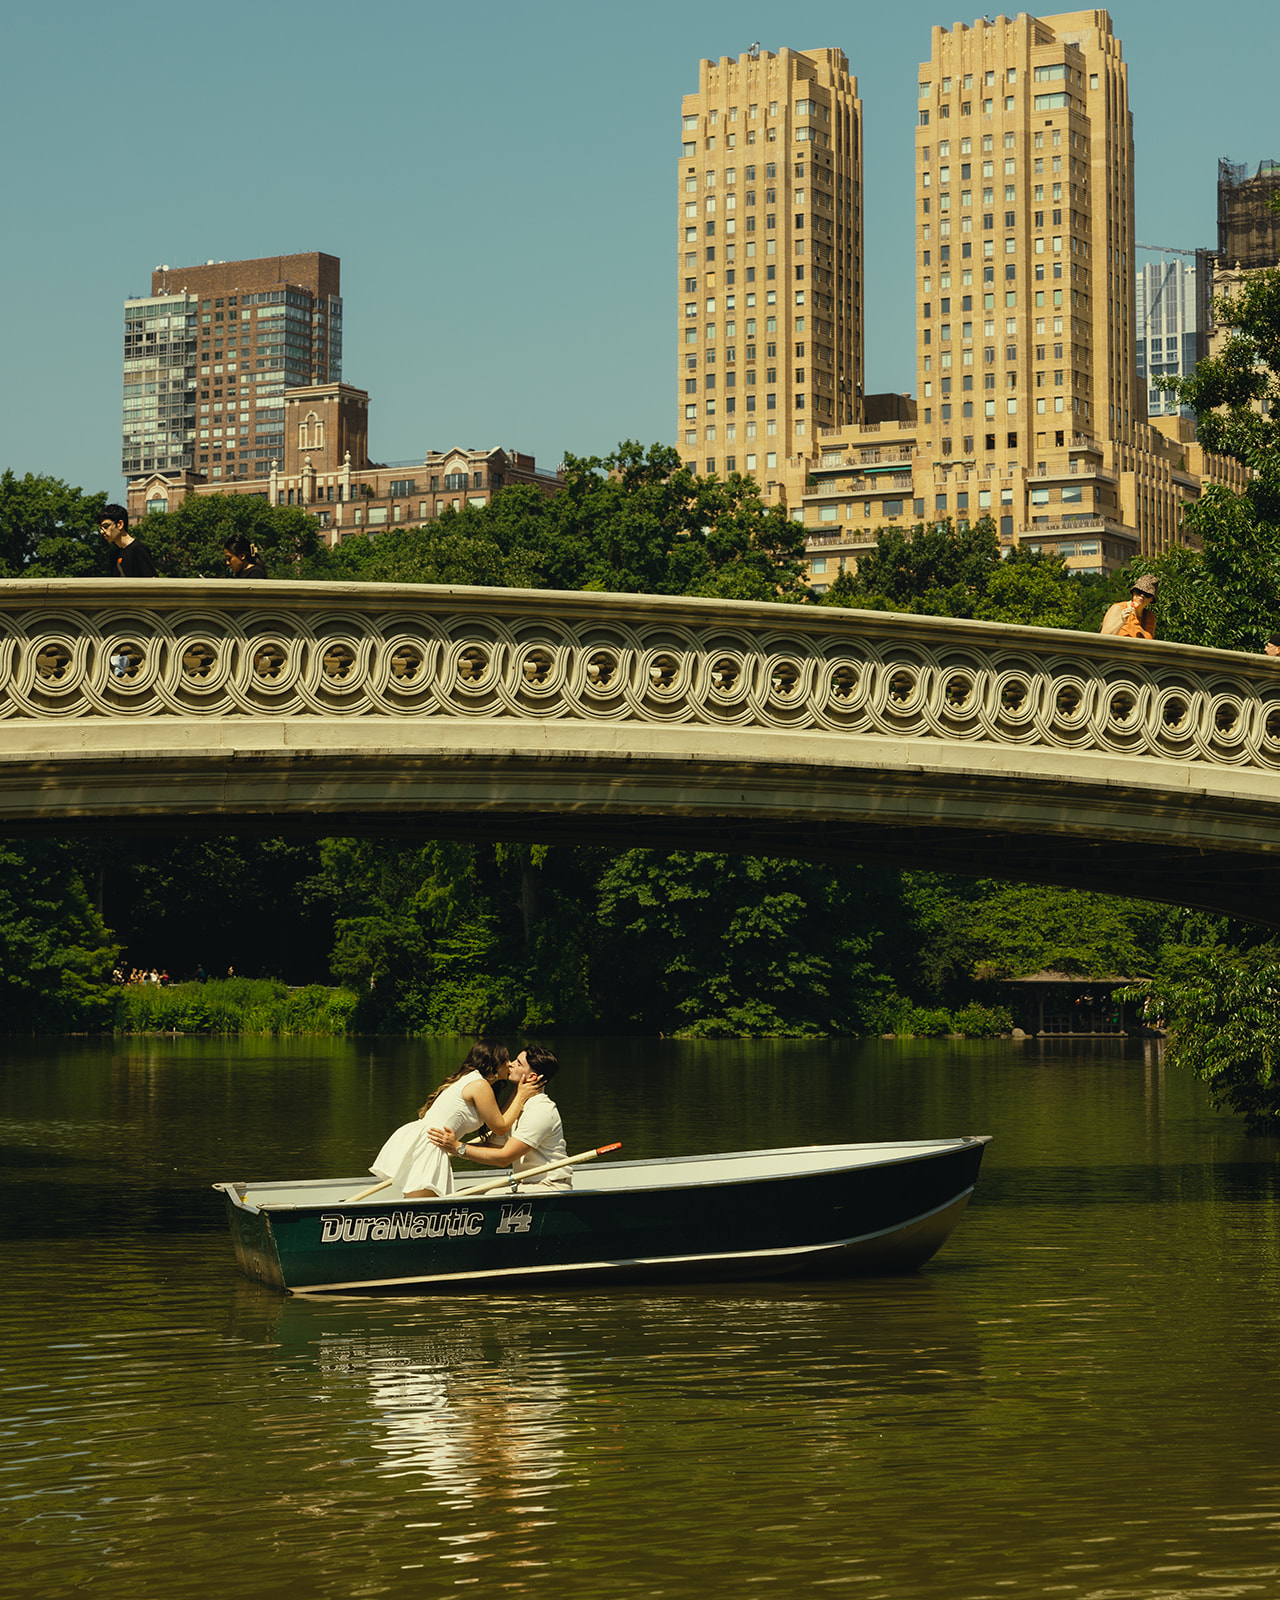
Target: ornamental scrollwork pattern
column 134, row 662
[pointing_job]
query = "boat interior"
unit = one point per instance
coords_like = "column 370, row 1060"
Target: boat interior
column 671, row 1172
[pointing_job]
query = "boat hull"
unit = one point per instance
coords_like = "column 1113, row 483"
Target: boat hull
column 637, row 1222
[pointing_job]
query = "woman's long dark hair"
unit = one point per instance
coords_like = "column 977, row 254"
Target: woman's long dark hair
column 484, row 1057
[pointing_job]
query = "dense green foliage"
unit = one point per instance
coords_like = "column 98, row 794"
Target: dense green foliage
column 943, row 570
column 236, row 1005
column 188, row 542
column 50, row 530
column 1223, row 1007
column 55, row 953
column 633, row 522
column 1228, row 593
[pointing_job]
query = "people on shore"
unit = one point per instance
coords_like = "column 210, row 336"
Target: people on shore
column 537, row 1135
column 1134, row 618
column 131, row 558
column 412, row 1162
column 244, row 559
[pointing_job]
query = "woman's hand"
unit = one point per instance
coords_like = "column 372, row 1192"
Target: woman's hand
column 443, row 1140
column 527, row 1088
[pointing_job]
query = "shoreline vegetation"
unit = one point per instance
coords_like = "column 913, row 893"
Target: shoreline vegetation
column 262, row 1006
column 267, row 1007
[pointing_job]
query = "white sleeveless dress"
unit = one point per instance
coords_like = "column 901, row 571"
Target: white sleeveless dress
column 410, row 1160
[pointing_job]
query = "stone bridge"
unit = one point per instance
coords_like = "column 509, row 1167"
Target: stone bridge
column 1019, row 753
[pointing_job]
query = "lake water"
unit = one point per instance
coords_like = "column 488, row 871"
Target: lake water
column 1077, row 1397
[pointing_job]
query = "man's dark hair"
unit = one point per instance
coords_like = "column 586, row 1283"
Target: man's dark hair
column 114, row 513
column 541, row 1061
column 1274, row 638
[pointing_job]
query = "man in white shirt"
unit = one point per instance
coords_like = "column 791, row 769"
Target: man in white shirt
column 536, row 1138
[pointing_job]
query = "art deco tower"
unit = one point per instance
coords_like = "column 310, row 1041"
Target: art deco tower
column 1024, row 247
column 769, row 259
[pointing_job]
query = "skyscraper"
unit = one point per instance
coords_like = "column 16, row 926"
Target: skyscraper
column 1030, row 407
column 769, row 253
column 208, row 356
column 1024, row 189
column 1170, row 326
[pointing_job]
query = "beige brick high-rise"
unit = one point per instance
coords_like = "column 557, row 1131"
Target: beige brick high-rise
column 1029, row 405
column 1024, row 199
column 769, row 254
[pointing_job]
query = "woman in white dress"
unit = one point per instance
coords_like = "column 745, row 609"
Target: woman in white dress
column 464, row 1101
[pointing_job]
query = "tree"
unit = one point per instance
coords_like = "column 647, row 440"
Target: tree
column 185, row 903
column 50, row 530
column 1228, row 593
column 722, row 946
column 459, row 547
column 55, row 953
column 1035, row 591
column 187, row 542
column 1016, row 929
column 942, row 570
column 1222, row 1008
column 633, row 522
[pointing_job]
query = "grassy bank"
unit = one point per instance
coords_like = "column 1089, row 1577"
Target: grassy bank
column 234, row 1005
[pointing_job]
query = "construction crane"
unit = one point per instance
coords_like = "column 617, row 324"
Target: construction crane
column 1167, row 249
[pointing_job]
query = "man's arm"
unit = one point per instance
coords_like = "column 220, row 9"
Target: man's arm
column 486, row 1155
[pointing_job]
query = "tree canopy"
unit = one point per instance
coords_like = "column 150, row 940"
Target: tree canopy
column 943, row 570
column 633, row 522
column 187, row 542
column 1222, row 1007
column 50, row 530
column 55, row 952
column 1227, row 594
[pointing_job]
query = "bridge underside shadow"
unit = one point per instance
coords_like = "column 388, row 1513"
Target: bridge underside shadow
column 1177, row 844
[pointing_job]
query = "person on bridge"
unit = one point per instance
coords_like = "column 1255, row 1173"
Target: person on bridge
column 538, row 1134
column 412, row 1160
column 244, row 559
column 132, row 558
column 1134, row 618
column 1272, row 645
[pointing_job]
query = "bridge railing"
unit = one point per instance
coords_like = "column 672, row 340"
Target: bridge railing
column 168, row 651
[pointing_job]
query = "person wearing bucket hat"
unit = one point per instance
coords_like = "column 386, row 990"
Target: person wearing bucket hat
column 1134, row 618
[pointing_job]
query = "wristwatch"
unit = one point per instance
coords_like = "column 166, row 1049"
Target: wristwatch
column 462, row 1149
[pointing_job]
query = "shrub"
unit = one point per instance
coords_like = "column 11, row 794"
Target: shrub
column 983, row 1022
column 234, row 1005
column 926, row 1022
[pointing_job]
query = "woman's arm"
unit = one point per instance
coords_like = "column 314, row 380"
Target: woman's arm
column 480, row 1096
column 1115, row 618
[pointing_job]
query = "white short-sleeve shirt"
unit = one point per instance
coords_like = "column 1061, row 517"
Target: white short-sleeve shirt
column 539, row 1127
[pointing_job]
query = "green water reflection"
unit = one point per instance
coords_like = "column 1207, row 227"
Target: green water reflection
column 1077, row 1397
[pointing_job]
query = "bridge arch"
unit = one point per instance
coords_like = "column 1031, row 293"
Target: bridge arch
column 980, row 748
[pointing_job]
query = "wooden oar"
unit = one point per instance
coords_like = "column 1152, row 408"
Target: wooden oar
column 497, row 1183
column 365, row 1193
column 535, row 1172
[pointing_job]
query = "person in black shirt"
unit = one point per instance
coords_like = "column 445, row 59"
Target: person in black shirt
column 243, row 559
column 132, row 559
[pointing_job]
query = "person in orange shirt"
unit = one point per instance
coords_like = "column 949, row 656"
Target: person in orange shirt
column 1134, row 618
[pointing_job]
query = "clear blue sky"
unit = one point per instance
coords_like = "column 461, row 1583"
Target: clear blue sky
column 498, row 179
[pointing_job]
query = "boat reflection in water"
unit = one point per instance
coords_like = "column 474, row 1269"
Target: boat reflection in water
column 471, row 1429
